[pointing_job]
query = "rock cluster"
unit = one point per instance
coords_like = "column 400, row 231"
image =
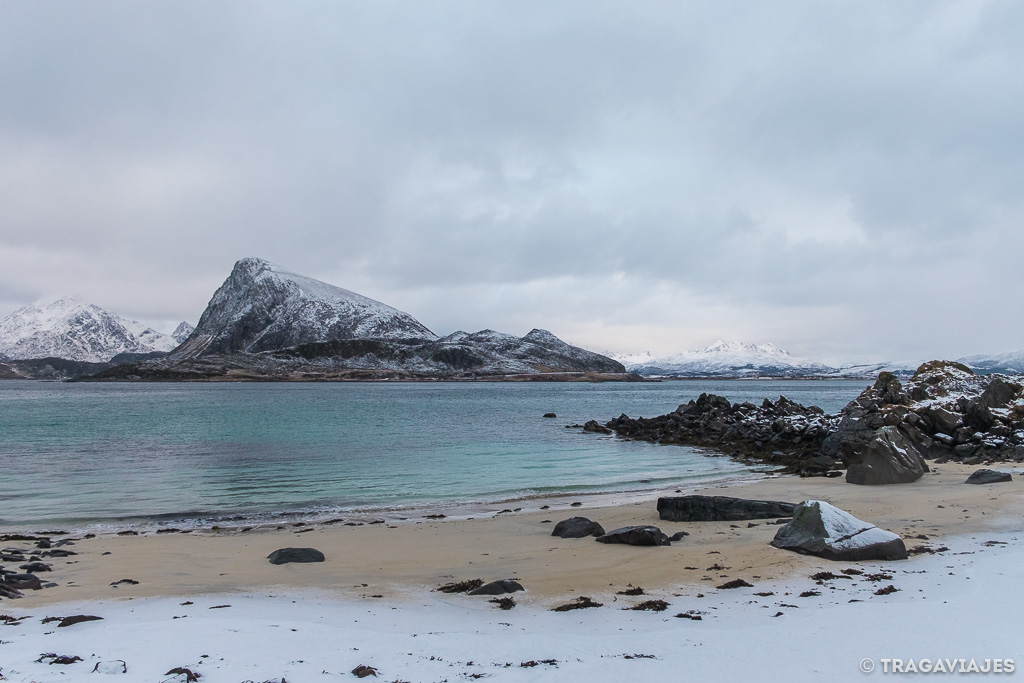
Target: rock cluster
column 884, row 436
column 782, row 432
column 29, row 564
column 945, row 412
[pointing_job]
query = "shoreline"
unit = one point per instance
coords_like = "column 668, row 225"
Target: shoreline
column 417, row 555
column 212, row 604
column 198, row 522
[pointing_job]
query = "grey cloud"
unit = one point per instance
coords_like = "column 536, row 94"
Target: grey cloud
column 791, row 157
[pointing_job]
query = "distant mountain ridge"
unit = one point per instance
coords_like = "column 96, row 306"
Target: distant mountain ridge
column 68, row 329
column 725, row 359
column 266, row 322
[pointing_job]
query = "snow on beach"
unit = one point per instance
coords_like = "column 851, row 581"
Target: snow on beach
column 962, row 603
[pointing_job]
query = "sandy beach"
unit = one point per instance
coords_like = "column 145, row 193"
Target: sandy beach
column 384, row 576
column 413, row 556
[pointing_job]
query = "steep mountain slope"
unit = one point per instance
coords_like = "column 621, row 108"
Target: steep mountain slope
column 725, row 359
column 71, row 330
column 263, row 307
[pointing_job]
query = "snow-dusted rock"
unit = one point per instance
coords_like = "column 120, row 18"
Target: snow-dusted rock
column 69, row 329
column 821, row 529
column 182, row 331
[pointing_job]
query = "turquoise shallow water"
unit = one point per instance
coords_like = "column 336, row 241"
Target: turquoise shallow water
column 86, row 454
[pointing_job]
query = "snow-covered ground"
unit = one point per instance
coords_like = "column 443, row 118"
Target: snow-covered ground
column 963, row 603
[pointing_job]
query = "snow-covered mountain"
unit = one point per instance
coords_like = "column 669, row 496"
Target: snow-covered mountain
column 69, row 329
column 263, row 307
column 182, row 331
column 900, row 368
column 266, row 322
column 725, row 359
column 1010, row 363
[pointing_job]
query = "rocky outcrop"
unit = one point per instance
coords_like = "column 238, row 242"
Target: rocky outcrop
column 944, row 412
column 884, row 436
column 821, row 529
column 577, row 527
column 986, row 476
column 782, row 432
column 720, row 509
column 635, row 535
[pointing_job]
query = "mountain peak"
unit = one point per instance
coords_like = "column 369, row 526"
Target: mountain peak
column 263, row 307
column 182, row 331
column 64, row 327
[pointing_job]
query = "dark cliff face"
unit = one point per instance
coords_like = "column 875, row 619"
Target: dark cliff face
column 263, row 307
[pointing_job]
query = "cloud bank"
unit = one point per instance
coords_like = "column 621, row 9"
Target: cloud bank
column 842, row 179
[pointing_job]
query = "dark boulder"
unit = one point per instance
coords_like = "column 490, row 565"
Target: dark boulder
column 635, row 535
column 998, row 393
column 596, row 427
column 77, row 619
column 577, row 527
column 285, row 555
column 720, row 509
column 888, row 457
column 500, row 587
column 826, row 531
column 986, row 476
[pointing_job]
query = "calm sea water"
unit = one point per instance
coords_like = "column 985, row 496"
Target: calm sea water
column 93, row 454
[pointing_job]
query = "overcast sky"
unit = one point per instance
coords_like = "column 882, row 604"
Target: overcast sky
column 844, row 179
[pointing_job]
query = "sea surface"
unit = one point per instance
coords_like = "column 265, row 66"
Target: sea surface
column 100, row 455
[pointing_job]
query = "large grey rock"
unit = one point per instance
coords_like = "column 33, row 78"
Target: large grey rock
column 998, row 393
column 986, row 476
column 285, row 555
column 577, row 527
column 500, row 587
column 821, row 529
column 720, row 509
column 635, row 535
column 887, row 458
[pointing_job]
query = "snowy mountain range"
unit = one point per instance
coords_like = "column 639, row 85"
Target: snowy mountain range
column 725, row 359
column 69, row 329
column 741, row 359
column 280, row 321
column 1007, row 363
